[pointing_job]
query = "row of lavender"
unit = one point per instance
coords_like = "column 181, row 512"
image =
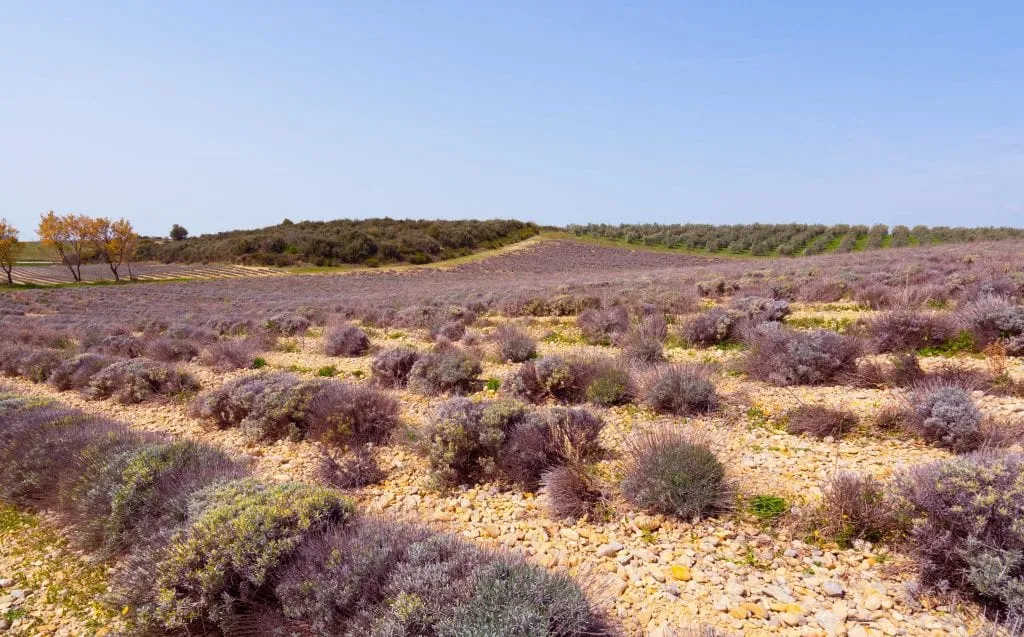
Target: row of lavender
column 195, row 542
column 545, row 281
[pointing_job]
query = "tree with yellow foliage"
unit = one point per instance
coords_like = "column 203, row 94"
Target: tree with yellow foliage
column 115, row 242
column 10, row 248
column 69, row 236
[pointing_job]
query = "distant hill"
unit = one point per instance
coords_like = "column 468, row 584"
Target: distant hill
column 791, row 239
column 345, row 241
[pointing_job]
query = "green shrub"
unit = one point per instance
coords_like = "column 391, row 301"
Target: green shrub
column 449, row 369
column 967, row 533
column 120, row 500
column 679, row 389
column 236, row 534
column 670, row 472
column 516, row 599
column 610, row 385
column 138, row 380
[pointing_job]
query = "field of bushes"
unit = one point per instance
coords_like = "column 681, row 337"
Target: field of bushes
column 569, row 439
column 790, row 239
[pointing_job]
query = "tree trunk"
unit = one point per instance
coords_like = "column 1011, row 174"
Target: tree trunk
column 10, row 278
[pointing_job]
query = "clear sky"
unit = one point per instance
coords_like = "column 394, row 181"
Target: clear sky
column 220, row 115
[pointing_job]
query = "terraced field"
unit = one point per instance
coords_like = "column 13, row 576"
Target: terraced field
column 56, row 274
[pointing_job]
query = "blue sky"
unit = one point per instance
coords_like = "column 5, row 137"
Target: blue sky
column 221, row 115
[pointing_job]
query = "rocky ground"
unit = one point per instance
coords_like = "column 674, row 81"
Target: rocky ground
column 45, row 587
column 658, row 576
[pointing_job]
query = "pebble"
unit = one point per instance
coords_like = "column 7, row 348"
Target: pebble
column 833, row 588
column 607, row 550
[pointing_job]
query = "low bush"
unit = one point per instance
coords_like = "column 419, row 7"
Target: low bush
column 448, row 369
column 378, row 578
column 348, row 414
column 639, row 349
column 347, row 340
column 757, row 310
column 789, row 357
column 905, row 329
column 991, row 318
column 287, row 325
column 513, row 344
column 76, row 372
column 358, row 469
column 265, row 406
column 679, row 389
column 449, row 331
column 514, row 598
column 235, row 534
column 547, row 377
column 463, row 438
column 856, row 507
column 391, row 367
column 603, row 326
column 643, row 343
column 271, row 406
column 608, row 382
column 597, row 379
column 229, row 355
column 194, row 333
column 715, row 326
column 138, row 380
column 170, row 350
column 124, row 345
column 534, row 442
column 37, row 365
column 967, row 533
column 468, row 442
column 570, row 492
column 945, row 414
column 668, row 471
column 44, row 448
column 820, row 421
column 120, row 501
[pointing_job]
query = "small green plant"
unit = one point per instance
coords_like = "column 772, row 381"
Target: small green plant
column 14, row 614
column 674, row 341
column 767, row 508
column 962, row 343
column 757, row 416
column 396, row 335
column 836, row 324
column 358, row 373
column 493, row 384
column 329, row 371
column 259, row 362
column 731, row 346
column 290, row 345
